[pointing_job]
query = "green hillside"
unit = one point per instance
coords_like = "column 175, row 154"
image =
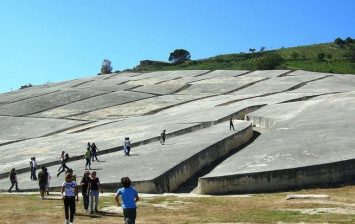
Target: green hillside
column 327, row 57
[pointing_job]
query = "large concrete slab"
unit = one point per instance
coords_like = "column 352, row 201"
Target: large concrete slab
column 108, row 136
column 12, row 128
column 179, row 159
column 307, row 143
column 24, row 94
column 137, row 108
column 305, row 120
column 48, row 101
column 94, row 103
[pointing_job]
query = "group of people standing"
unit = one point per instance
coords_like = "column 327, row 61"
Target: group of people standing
column 90, row 188
column 91, row 154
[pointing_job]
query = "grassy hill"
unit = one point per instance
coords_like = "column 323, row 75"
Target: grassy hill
column 327, row 57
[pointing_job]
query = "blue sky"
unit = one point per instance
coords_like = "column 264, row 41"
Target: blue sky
column 49, row 41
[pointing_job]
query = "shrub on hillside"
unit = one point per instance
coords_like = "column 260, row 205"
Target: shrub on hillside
column 321, row 56
column 295, row 55
column 269, row 61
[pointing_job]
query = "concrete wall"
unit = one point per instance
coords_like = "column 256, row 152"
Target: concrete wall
column 173, row 178
column 280, row 180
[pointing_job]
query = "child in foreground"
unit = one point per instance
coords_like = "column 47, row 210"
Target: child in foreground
column 129, row 198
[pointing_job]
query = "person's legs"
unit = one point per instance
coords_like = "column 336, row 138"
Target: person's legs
column 12, row 185
column 91, row 202
column 34, row 174
column 96, row 200
column 66, row 207
column 130, row 215
column 72, row 209
column 87, row 163
column 86, row 201
column 96, row 158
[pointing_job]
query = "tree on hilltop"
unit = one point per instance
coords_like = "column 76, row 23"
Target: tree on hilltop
column 106, row 67
column 340, row 42
column 179, row 56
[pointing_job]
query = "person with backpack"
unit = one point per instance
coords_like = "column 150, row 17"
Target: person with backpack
column 13, row 180
column 69, row 192
column 42, row 181
column 129, row 197
column 64, row 164
column 127, row 146
column 94, row 150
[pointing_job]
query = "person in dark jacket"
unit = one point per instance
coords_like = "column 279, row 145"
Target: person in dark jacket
column 42, row 181
column 13, row 179
column 84, row 183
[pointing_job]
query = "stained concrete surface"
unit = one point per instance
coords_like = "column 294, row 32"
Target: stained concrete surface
column 305, row 120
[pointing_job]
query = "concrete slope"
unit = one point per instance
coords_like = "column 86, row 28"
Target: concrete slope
column 306, row 144
column 157, row 168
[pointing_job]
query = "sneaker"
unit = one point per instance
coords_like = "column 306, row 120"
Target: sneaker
column 91, row 212
column 96, row 211
column 66, row 221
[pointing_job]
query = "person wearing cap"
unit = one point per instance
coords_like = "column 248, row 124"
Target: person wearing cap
column 69, row 192
column 84, row 183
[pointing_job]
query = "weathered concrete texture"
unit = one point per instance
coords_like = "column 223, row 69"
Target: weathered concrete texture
column 12, row 128
column 266, row 73
column 306, row 120
column 137, row 108
column 108, row 137
column 160, row 89
column 216, row 86
column 309, row 143
column 24, row 94
column 180, row 158
column 94, row 103
column 224, row 73
column 48, row 101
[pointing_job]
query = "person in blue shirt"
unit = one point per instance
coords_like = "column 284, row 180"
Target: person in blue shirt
column 129, row 197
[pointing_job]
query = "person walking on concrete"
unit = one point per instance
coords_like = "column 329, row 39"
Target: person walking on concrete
column 42, row 181
column 87, row 156
column 69, row 192
column 62, row 157
column 231, row 123
column 33, row 166
column 162, row 137
column 127, row 146
column 13, row 180
column 129, row 197
column 64, row 164
column 84, row 183
column 93, row 190
column 94, row 150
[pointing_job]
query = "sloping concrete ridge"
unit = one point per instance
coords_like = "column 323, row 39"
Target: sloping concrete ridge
column 292, row 129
